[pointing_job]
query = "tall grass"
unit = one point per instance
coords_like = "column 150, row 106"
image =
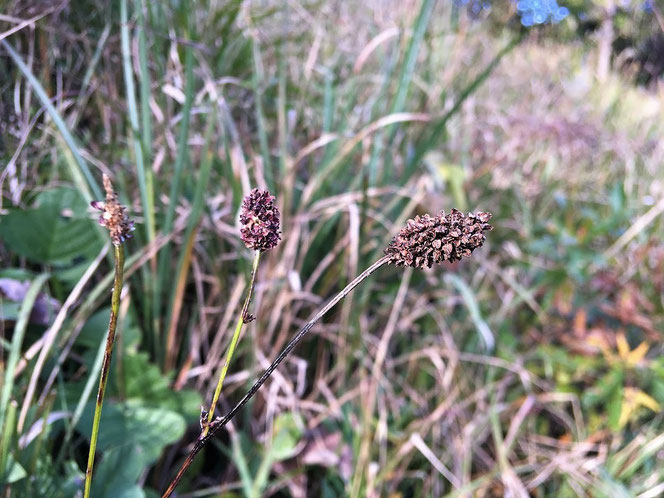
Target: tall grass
column 358, row 116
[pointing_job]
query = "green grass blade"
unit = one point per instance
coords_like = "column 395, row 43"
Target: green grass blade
column 180, row 160
column 146, row 145
column 17, row 340
column 408, row 68
column 146, row 116
column 90, row 384
column 281, row 122
column 196, row 212
column 309, row 192
column 241, row 463
column 144, row 176
column 84, row 93
column 649, row 449
column 257, row 80
column 59, row 123
column 473, row 308
column 8, row 431
column 438, row 128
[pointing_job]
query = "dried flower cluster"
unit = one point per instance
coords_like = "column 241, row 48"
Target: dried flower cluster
column 260, row 221
column 428, row 239
column 114, row 215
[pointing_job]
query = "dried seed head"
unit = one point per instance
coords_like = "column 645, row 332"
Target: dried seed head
column 114, row 215
column 428, row 239
column 260, row 221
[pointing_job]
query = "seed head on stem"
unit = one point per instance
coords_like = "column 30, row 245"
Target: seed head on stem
column 260, row 221
column 424, row 240
column 427, row 240
column 260, row 232
column 115, row 218
column 114, row 215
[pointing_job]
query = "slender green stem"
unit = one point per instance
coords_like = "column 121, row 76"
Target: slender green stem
column 236, row 336
column 106, row 365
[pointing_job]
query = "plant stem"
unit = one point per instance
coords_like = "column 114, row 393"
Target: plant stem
column 220, row 422
column 236, row 336
column 106, row 365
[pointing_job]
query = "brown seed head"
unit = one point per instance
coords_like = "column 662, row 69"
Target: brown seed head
column 428, row 239
column 260, row 221
column 114, row 215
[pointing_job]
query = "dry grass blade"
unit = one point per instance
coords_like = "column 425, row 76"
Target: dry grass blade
column 22, row 24
column 218, row 423
column 183, row 274
column 385, row 121
column 51, row 334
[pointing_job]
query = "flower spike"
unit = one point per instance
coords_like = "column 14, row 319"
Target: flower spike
column 260, row 221
column 427, row 239
column 114, row 215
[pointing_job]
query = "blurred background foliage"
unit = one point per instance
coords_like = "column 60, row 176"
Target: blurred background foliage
column 533, row 368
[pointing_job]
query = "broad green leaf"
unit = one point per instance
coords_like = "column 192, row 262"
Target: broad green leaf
column 64, row 199
column 117, row 473
column 145, row 384
column 286, row 435
column 14, row 471
column 48, row 481
column 55, row 231
column 151, row 429
column 96, row 327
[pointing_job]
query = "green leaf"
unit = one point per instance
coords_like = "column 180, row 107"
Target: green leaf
column 470, row 299
column 604, row 389
column 14, row 471
column 117, row 473
column 617, row 198
column 96, row 327
column 144, row 383
column 56, row 231
column 64, row 199
column 122, row 425
column 9, row 311
column 47, row 480
column 615, row 407
column 287, row 434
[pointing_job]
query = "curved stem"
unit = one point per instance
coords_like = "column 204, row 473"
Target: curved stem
column 220, row 422
column 244, row 318
column 106, row 365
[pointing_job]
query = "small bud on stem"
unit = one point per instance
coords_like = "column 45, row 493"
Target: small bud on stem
column 114, row 215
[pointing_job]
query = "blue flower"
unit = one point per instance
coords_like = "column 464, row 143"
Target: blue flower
column 540, row 11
